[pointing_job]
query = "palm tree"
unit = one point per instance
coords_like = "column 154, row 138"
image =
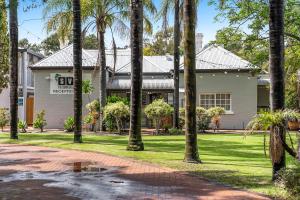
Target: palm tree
column 166, row 7
column 191, row 147
column 176, row 64
column 135, row 137
column 276, row 30
column 13, row 35
column 77, row 70
column 100, row 14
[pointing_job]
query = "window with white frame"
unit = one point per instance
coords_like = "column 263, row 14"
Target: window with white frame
column 216, row 100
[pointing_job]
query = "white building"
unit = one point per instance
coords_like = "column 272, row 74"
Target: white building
column 26, row 86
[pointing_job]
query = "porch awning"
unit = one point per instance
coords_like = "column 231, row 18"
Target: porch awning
column 148, row 84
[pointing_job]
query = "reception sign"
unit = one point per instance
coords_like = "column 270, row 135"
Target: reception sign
column 62, row 83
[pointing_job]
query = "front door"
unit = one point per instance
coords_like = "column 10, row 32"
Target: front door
column 29, row 110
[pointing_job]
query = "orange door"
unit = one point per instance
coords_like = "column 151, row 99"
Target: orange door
column 29, row 110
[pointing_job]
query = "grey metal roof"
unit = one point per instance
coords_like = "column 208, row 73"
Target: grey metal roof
column 215, row 57
column 211, row 58
column 148, row 84
column 64, row 58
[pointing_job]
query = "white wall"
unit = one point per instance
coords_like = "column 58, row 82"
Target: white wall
column 57, row 107
column 243, row 94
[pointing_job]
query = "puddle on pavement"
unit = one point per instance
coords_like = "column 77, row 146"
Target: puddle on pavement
column 85, row 180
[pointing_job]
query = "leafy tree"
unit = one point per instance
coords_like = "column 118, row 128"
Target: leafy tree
column 162, row 44
column 117, row 111
column 253, row 16
column 50, row 44
column 77, row 70
column 191, row 147
column 4, row 118
column 90, row 42
column 136, row 40
column 13, row 35
column 24, row 43
column 115, row 99
column 157, row 110
column 4, row 47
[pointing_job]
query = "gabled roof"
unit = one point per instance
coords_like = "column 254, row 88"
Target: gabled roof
column 64, row 58
column 216, row 57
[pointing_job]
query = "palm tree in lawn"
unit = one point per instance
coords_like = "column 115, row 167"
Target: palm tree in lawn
column 136, row 38
column 102, row 15
column 276, row 57
column 13, row 36
column 77, row 70
column 166, row 7
column 191, row 147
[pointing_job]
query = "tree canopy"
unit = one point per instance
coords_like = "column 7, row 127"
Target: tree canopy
column 4, row 48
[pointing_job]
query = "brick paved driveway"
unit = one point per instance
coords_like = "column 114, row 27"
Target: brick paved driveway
column 30, row 172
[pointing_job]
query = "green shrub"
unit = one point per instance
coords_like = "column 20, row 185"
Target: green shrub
column 114, row 113
column 289, row 180
column 22, row 125
column 69, row 124
column 157, row 110
column 40, row 121
column 215, row 114
column 94, row 113
column 4, row 118
column 175, row 131
column 115, row 99
column 203, row 119
column 181, row 117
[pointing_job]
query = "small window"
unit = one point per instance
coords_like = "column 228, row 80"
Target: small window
column 216, row 100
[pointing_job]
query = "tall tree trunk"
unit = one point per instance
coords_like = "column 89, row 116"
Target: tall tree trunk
column 135, row 137
column 176, row 66
column 276, row 26
column 191, row 147
column 102, row 57
column 13, row 34
column 77, row 70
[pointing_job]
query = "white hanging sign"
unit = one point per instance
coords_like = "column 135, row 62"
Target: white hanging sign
column 62, row 83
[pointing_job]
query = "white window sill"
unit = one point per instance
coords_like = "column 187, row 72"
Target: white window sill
column 229, row 113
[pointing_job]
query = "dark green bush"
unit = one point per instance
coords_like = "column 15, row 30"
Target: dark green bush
column 175, row 131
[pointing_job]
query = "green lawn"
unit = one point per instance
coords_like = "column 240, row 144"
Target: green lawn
column 229, row 158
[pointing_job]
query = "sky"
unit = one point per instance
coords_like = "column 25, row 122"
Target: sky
column 32, row 26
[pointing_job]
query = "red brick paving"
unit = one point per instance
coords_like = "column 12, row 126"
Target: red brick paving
column 140, row 180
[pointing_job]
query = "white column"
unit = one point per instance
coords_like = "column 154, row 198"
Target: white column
column 24, row 82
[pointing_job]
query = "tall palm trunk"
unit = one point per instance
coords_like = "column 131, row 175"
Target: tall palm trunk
column 13, row 34
column 77, row 58
column 102, row 57
column 176, row 65
column 276, row 26
column 191, row 147
column 135, row 138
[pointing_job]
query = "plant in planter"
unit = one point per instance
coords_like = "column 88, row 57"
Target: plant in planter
column 22, row 125
column 115, row 113
column 40, row 121
column 69, row 124
column 274, row 123
column 4, row 118
column 215, row 114
column 157, row 110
